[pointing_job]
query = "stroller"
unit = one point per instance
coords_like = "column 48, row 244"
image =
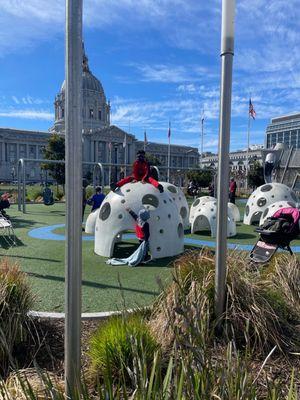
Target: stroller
column 276, row 232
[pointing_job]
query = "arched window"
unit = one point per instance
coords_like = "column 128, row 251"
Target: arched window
column 99, row 114
column 91, row 113
column 63, row 113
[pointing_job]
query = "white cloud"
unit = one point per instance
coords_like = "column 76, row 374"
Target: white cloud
column 28, row 114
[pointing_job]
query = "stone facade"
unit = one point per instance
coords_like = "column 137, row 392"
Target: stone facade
column 102, row 142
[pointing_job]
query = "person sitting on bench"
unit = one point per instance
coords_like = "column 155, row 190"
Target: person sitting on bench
column 140, row 173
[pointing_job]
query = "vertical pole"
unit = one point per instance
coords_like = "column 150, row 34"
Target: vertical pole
column 227, row 48
column 19, row 184
column 247, row 155
column 202, row 134
column 73, row 269
column 169, row 151
column 110, row 162
column 23, row 186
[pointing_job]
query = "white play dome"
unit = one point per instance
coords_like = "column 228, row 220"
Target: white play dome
column 166, row 226
column 271, row 210
column 236, row 212
column 205, row 219
column 263, row 197
column 197, row 204
column 179, row 198
column 91, row 221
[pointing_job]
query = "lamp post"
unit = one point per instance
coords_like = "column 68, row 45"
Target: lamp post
column 227, row 49
column 73, row 250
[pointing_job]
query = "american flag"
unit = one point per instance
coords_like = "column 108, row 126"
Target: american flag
column 252, row 112
column 169, row 131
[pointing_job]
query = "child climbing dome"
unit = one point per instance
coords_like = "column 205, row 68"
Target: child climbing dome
column 166, row 225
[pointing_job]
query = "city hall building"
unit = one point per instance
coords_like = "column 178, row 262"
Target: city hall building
column 102, row 142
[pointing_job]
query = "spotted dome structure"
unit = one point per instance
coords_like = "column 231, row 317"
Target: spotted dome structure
column 236, row 212
column 90, row 223
column 166, row 225
column 197, row 204
column 180, row 200
column 263, row 197
column 271, row 210
column 205, row 219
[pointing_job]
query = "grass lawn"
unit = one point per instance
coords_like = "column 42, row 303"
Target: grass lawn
column 43, row 260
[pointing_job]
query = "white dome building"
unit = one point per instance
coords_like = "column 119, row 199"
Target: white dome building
column 166, row 225
column 271, row 210
column 197, row 204
column 263, row 197
column 205, row 219
column 179, row 198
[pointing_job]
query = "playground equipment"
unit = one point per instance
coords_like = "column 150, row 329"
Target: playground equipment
column 205, row 219
column 263, row 197
column 236, row 212
column 166, row 224
column 270, row 211
column 179, row 198
column 197, row 204
column 91, row 221
column 48, row 197
column 21, row 174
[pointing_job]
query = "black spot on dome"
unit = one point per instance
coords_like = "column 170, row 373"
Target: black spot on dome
column 196, row 202
column 266, row 188
column 105, row 211
column 265, row 212
column 172, row 189
column 180, row 230
column 183, row 212
column 151, row 200
column 262, row 201
column 247, row 210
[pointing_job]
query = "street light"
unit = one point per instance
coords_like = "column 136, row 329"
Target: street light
column 227, row 48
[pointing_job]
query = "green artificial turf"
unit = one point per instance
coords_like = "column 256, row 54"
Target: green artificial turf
column 104, row 287
column 43, row 260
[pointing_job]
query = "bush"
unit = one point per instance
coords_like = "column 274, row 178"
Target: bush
column 15, row 302
column 117, row 344
column 34, row 192
column 260, row 310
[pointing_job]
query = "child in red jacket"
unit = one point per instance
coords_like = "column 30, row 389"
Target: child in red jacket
column 141, row 172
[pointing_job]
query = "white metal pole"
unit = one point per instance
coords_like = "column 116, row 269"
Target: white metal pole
column 110, row 161
column 227, row 51
column 73, row 270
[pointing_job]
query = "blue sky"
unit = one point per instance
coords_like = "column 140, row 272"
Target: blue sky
column 157, row 60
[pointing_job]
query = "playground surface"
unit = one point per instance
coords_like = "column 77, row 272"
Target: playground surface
column 104, row 287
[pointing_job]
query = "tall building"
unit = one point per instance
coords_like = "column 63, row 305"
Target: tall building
column 102, row 142
column 285, row 129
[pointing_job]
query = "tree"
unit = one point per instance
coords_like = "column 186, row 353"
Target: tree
column 55, row 150
column 201, row 178
column 256, row 175
column 152, row 159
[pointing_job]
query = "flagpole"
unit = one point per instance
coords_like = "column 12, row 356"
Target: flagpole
column 248, row 144
column 169, row 151
column 202, row 135
column 110, row 160
column 145, row 141
column 125, row 157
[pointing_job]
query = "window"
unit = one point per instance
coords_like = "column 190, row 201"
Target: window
column 99, row 114
column 91, row 113
column 63, row 113
column 32, row 152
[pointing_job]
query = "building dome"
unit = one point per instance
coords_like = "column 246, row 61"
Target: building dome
column 95, row 111
column 89, row 82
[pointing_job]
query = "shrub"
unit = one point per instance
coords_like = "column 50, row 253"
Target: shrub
column 260, row 310
column 117, row 344
column 33, row 192
column 15, row 301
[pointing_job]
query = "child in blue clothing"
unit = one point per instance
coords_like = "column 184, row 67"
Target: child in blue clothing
column 96, row 200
